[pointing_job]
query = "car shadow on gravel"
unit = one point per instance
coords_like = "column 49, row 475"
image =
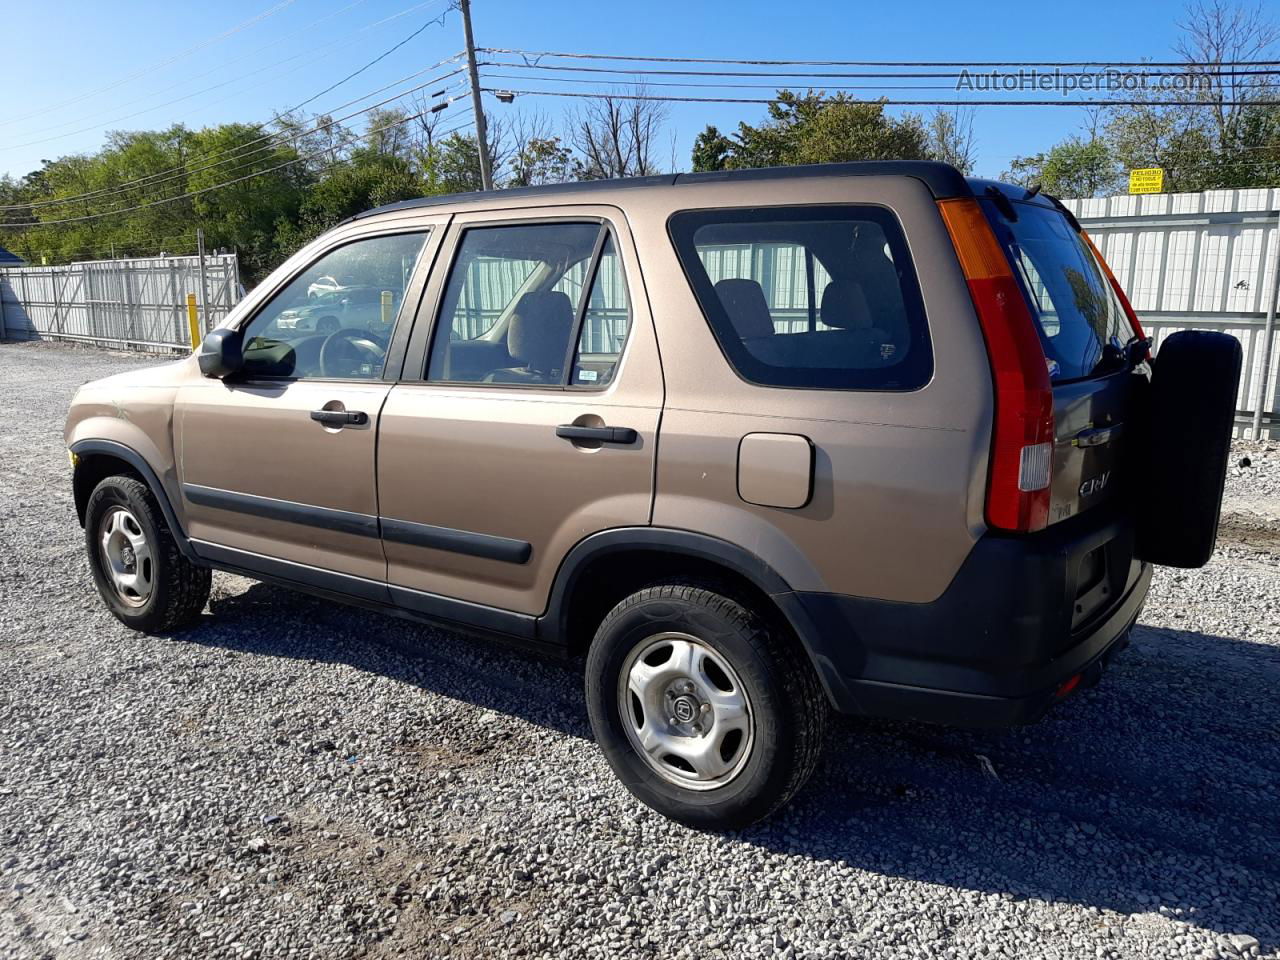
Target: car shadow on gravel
column 1154, row 792
column 479, row 671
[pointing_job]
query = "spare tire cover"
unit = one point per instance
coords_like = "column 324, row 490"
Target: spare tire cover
column 1183, row 461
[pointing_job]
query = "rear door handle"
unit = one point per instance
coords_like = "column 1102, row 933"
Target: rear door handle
column 340, row 418
column 571, row 431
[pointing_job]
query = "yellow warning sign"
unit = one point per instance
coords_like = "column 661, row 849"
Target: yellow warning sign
column 1148, row 180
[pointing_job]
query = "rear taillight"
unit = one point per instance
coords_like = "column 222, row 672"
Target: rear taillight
column 1123, row 297
column 1022, row 442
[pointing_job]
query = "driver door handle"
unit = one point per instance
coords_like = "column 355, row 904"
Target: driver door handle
column 571, row 431
column 340, row 418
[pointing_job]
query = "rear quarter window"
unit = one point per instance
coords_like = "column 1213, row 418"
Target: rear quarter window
column 810, row 297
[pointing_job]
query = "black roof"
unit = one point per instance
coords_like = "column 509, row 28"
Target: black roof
column 8, row 259
column 942, row 179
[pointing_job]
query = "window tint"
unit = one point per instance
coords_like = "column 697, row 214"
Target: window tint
column 809, row 297
column 1076, row 310
column 605, row 323
column 512, row 300
column 335, row 318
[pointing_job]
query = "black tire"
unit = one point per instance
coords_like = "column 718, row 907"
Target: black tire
column 788, row 707
column 1186, row 447
column 178, row 588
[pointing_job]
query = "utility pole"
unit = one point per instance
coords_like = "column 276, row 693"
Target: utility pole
column 482, row 135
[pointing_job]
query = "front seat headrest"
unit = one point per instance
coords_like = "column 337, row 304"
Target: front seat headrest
column 538, row 336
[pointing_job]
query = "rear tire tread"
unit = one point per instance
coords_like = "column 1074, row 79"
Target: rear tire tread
column 801, row 689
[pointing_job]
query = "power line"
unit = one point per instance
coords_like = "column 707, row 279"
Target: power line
column 217, row 186
column 737, row 86
column 880, row 63
column 220, row 69
column 754, row 86
column 242, row 159
column 244, row 25
column 382, row 56
column 886, row 102
column 217, row 86
column 163, row 176
column 640, row 71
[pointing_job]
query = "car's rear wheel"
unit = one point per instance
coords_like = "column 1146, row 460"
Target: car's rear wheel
column 138, row 569
column 706, row 711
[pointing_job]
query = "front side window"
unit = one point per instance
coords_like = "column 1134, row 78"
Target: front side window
column 540, row 304
column 821, row 297
column 334, row 320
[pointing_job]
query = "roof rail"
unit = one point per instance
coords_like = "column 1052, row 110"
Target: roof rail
column 942, row 179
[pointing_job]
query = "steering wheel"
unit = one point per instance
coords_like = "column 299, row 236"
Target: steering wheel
column 345, row 351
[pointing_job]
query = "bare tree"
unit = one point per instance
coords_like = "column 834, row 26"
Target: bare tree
column 618, row 136
column 951, row 138
column 321, row 137
column 537, row 154
column 1216, row 32
column 387, row 132
column 426, row 125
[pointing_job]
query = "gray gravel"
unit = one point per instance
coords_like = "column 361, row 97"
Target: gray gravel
column 294, row 779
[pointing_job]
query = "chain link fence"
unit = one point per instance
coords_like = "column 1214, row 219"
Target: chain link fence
column 136, row 303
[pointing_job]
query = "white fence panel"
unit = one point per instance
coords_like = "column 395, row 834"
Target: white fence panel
column 140, row 303
column 1199, row 261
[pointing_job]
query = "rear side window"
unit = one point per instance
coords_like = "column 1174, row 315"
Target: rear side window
column 533, row 304
column 821, row 297
column 1081, row 323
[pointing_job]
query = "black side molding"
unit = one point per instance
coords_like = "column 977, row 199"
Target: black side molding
column 456, row 541
column 483, row 545
column 360, row 524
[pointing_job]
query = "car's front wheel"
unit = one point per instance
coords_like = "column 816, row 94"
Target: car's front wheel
column 706, row 711
column 137, row 567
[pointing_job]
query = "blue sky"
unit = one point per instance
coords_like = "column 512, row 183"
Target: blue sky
column 54, row 104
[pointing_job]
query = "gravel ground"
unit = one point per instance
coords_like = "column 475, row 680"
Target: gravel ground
column 277, row 783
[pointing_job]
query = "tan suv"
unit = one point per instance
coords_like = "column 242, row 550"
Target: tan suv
column 874, row 437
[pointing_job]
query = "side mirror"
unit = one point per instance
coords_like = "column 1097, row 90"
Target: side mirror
column 221, row 354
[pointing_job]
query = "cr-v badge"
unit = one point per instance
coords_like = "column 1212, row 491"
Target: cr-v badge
column 1095, row 484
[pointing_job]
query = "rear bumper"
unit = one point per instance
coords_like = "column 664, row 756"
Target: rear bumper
column 1022, row 616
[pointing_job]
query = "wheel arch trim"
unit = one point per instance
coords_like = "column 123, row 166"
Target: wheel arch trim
column 553, row 624
column 113, row 448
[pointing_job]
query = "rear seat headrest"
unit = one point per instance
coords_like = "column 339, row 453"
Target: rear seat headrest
column 746, row 306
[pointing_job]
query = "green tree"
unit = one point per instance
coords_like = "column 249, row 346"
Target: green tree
column 452, row 165
column 1074, row 168
column 540, row 160
column 814, row 128
column 260, row 189
column 711, row 150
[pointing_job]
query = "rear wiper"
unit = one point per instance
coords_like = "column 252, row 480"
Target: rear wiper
column 1136, row 350
column 1126, row 357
